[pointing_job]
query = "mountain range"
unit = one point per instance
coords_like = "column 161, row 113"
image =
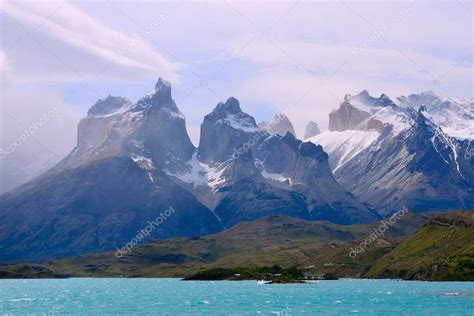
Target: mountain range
column 133, row 161
column 413, row 153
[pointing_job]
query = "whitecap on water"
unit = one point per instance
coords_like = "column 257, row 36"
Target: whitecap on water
column 27, row 299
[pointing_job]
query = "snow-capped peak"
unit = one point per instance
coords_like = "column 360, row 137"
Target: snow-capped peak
column 160, row 100
column 162, row 84
column 454, row 115
column 364, row 101
column 109, row 106
column 230, row 114
column 423, row 110
column 231, row 106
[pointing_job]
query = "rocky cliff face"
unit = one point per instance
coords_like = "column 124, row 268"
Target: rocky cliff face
column 152, row 130
column 311, row 130
column 247, row 195
column 279, row 125
column 346, row 117
column 303, row 167
column 224, row 131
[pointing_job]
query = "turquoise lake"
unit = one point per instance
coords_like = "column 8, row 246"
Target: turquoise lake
column 175, row 297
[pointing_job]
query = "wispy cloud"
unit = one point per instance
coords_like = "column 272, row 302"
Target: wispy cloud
column 91, row 46
column 325, row 60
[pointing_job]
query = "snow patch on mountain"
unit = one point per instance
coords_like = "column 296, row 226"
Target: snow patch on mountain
column 110, row 106
column 174, row 114
column 344, row 146
column 277, row 177
column 398, row 118
column 239, row 122
column 365, row 102
column 200, row 173
column 360, row 101
column 144, row 163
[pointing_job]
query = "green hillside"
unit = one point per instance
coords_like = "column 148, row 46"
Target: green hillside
column 415, row 247
column 320, row 247
column 442, row 250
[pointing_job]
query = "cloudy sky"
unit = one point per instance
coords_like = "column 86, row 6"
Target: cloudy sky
column 296, row 57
